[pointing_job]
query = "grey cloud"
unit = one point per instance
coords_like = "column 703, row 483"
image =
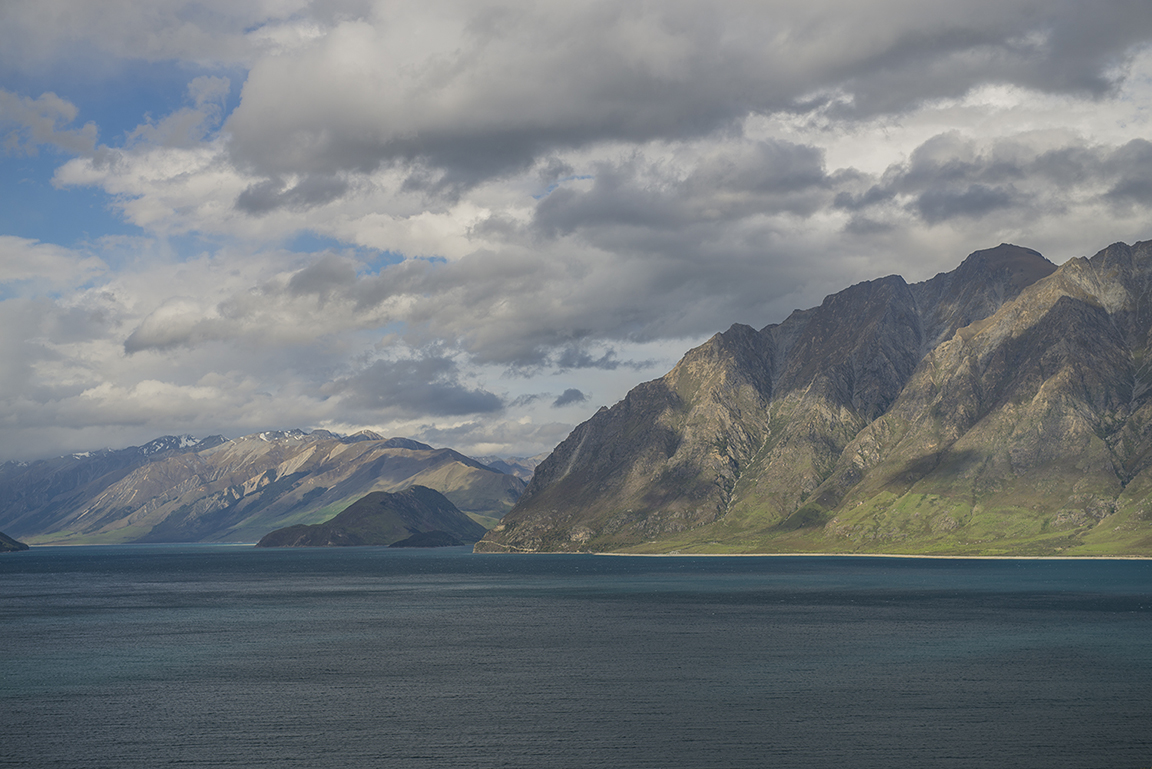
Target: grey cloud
column 761, row 178
column 312, row 190
column 325, row 277
column 875, row 195
column 1059, row 47
column 427, row 385
column 642, row 253
column 974, row 201
column 574, row 357
column 948, row 177
column 568, row 397
column 1132, row 164
column 489, row 97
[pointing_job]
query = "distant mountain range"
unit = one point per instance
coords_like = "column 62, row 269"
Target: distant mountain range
column 521, row 467
column 182, row 489
column 1001, row 408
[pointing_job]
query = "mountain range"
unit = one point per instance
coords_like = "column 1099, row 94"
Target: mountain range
column 1004, row 407
column 521, row 467
column 182, row 489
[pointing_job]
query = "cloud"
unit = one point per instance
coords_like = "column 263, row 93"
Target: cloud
column 24, row 260
column 179, row 321
column 27, row 124
column 487, row 89
column 39, row 33
column 187, row 126
column 309, row 191
column 419, row 386
column 1131, row 167
column 548, row 196
column 568, row 397
column 483, row 438
column 1007, row 180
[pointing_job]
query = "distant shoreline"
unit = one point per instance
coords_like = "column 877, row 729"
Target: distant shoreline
column 886, row 555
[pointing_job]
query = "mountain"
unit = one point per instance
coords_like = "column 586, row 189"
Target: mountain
column 42, row 491
column 521, row 467
column 218, row 490
column 9, row 545
column 1001, row 408
column 381, row 518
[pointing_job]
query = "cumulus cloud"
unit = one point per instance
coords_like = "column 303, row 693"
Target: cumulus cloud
column 488, row 88
column 522, row 198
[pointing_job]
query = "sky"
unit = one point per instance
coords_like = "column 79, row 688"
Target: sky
column 475, row 223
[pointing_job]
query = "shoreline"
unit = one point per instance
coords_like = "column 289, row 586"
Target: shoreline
column 883, row 555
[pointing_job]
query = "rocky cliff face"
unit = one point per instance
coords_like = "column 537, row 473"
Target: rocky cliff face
column 232, row 491
column 999, row 407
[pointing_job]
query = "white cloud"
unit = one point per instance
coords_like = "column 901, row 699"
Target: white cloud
column 45, row 264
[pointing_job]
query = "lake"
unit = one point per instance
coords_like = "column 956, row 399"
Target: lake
column 217, row 656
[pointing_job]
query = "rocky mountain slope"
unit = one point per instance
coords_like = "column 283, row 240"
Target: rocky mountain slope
column 381, row 518
column 9, row 545
column 1003, row 407
column 217, row 490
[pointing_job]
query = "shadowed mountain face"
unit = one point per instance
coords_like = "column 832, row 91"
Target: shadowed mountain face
column 9, row 545
column 381, row 518
column 999, row 407
column 181, row 490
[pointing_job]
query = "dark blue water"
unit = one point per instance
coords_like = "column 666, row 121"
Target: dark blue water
column 198, row 656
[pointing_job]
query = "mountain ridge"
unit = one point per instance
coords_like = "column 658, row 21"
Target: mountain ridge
column 176, row 489
column 811, row 434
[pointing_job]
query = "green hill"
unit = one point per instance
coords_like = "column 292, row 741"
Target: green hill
column 382, row 518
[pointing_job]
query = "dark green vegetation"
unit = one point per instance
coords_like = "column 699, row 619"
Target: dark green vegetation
column 9, row 545
column 432, row 539
column 216, row 490
column 1004, row 408
column 381, row 518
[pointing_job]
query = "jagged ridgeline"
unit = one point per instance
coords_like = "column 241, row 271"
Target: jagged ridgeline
column 1001, row 408
column 216, row 490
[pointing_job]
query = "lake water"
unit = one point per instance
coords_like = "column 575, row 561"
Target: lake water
column 215, row 656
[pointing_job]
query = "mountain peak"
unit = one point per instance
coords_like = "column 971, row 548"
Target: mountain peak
column 869, row 424
column 406, row 443
column 1017, row 266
